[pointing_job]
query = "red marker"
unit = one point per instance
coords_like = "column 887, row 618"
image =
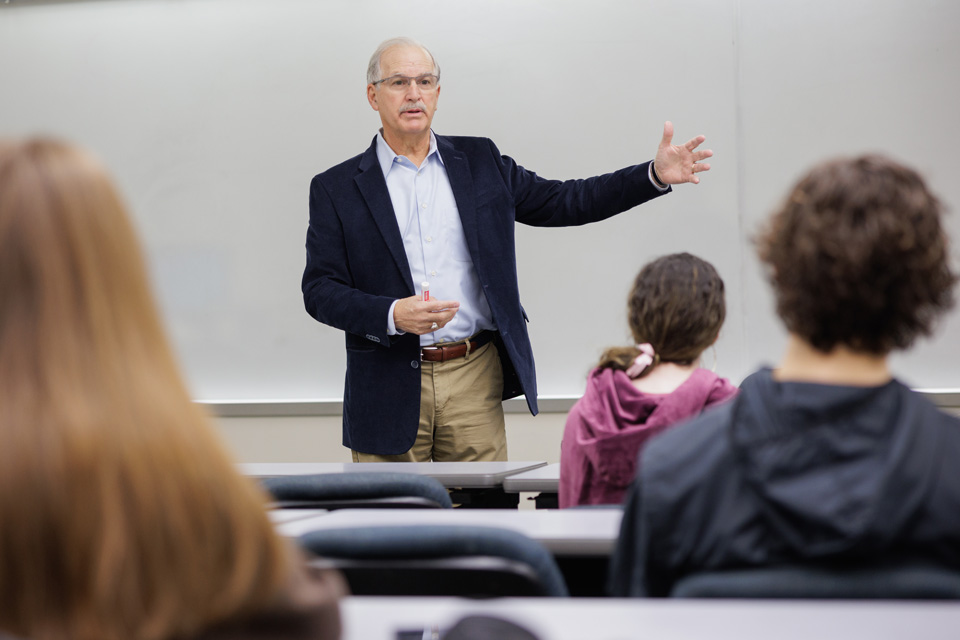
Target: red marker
column 425, row 288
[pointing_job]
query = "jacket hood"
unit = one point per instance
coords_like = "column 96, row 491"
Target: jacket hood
column 822, row 459
column 614, row 416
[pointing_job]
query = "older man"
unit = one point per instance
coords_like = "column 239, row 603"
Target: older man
column 426, row 374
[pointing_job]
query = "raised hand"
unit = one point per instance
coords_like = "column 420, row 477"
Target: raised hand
column 678, row 164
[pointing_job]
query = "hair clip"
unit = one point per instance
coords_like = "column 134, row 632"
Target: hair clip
column 643, row 360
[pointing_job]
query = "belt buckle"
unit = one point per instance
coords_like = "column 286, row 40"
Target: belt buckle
column 422, row 349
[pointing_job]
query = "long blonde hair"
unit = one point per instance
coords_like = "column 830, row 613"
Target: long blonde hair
column 122, row 515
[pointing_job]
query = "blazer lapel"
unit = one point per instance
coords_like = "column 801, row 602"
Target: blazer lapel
column 461, row 181
column 373, row 188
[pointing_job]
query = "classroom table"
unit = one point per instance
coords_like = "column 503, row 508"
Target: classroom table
column 472, row 484
column 468, row 475
column 544, row 480
column 581, row 540
column 281, row 516
column 565, row 532
column 380, row 618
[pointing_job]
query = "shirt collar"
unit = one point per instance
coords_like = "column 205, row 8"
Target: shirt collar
column 386, row 156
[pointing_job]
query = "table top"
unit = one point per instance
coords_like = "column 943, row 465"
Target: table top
column 280, row 516
column 379, row 618
column 468, row 475
column 564, row 532
column 546, row 478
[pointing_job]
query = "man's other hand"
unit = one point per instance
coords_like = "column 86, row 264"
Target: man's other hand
column 413, row 315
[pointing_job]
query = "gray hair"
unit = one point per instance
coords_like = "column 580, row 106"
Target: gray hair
column 373, row 69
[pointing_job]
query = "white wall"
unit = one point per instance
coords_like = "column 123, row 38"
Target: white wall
column 214, row 115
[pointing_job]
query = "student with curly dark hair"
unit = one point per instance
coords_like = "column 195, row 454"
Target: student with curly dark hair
column 827, row 458
column 675, row 311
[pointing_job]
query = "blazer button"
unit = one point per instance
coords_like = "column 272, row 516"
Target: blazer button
column 414, row 364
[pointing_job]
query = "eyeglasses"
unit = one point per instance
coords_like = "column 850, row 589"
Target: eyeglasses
column 426, row 83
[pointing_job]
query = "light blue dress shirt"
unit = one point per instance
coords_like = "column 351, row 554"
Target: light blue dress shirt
column 434, row 242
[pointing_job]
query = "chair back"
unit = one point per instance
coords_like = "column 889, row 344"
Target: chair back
column 438, row 560
column 357, row 490
column 885, row 581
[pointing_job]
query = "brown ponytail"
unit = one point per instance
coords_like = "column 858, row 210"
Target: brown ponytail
column 677, row 305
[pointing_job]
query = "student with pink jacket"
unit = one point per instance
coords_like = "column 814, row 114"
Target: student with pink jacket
column 676, row 309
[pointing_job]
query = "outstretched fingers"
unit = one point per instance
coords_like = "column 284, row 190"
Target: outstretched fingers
column 667, row 134
column 693, row 143
column 702, row 155
column 676, row 164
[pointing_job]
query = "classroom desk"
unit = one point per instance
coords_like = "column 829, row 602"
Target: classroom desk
column 467, row 475
column 568, row 532
column 473, row 484
column 543, row 480
column 379, row 618
column 281, row 516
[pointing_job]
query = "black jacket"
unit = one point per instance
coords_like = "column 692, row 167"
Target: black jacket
column 789, row 473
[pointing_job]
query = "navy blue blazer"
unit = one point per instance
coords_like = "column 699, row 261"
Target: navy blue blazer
column 356, row 267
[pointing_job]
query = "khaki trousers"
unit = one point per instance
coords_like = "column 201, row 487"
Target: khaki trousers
column 461, row 412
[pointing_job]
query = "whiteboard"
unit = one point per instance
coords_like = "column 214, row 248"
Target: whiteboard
column 213, row 115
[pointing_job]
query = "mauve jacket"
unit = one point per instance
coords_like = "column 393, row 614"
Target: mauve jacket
column 607, row 427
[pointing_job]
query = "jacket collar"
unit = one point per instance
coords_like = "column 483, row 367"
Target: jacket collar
column 373, row 188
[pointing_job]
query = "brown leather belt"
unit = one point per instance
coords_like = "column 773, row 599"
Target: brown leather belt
column 444, row 352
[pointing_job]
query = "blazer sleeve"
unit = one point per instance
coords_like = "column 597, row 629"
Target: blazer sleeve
column 329, row 291
column 541, row 202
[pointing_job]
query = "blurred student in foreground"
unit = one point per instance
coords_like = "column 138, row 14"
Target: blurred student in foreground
column 123, row 516
column 675, row 311
column 827, row 458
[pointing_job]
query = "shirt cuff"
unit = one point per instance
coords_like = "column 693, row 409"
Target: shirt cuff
column 660, row 187
column 391, row 327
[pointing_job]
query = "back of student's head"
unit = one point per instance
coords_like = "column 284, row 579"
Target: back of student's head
column 677, row 306
column 123, row 516
column 858, row 258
